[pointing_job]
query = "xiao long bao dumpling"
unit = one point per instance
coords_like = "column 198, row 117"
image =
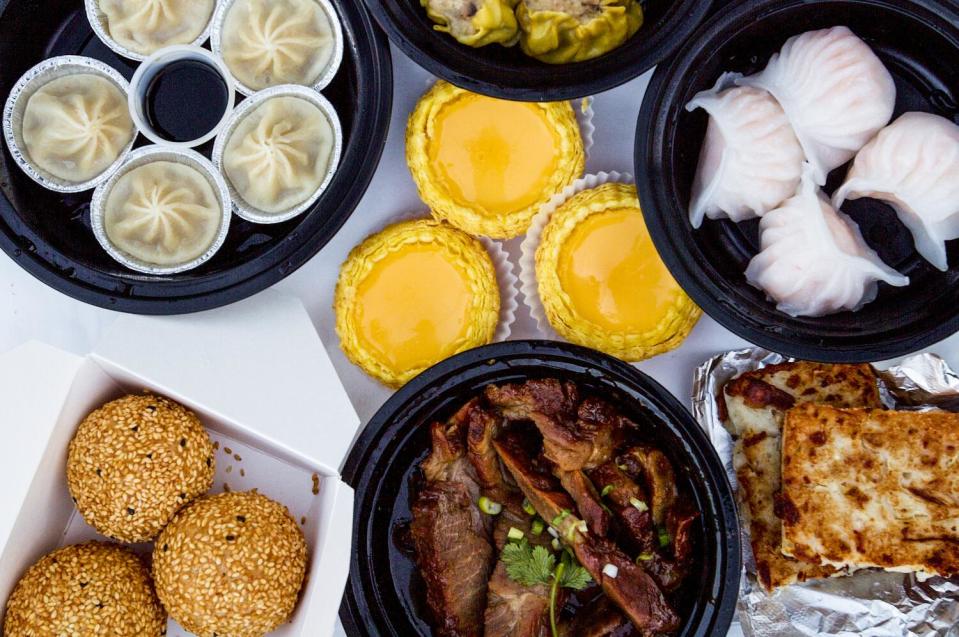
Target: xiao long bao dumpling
column 750, row 161
column 813, row 260
column 163, row 213
column 913, row 165
column 76, row 126
column 145, row 26
column 272, row 42
column 836, row 93
column 279, row 154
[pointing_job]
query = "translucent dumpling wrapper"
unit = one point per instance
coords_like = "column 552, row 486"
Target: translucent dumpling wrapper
column 836, row 93
column 145, row 26
column 163, row 213
column 813, row 260
column 913, row 165
column 562, row 31
column 76, row 126
column 475, row 22
column 750, row 161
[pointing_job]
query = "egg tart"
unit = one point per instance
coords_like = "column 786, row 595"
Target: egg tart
column 486, row 165
column 412, row 295
column 601, row 281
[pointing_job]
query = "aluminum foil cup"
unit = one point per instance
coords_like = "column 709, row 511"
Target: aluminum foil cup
column 98, row 21
column 216, row 43
column 141, row 157
column 23, row 90
column 240, row 207
column 153, row 65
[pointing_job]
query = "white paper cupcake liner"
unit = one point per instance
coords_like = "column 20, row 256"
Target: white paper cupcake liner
column 240, row 206
column 143, row 156
column 32, row 81
column 529, row 286
column 216, row 44
column 506, row 278
column 98, row 22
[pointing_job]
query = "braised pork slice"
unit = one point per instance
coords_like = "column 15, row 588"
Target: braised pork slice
column 548, row 396
column 587, row 500
column 668, row 565
column 598, row 618
column 450, row 534
column 656, row 471
column 514, row 610
column 482, row 426
column 633, row 590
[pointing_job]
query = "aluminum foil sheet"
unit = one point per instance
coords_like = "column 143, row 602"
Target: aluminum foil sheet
column 870, row 603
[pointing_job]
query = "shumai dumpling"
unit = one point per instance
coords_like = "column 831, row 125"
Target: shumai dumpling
column 475, row 22
column 561, row 31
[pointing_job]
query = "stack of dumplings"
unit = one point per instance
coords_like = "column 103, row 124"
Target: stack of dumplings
column 771, row 142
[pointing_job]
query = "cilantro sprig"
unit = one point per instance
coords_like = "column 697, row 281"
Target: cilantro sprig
column 534, row 565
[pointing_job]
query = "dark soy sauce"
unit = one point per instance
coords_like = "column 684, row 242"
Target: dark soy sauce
column 185, row 100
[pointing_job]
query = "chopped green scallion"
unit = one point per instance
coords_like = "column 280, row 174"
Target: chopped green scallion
column 489, row 507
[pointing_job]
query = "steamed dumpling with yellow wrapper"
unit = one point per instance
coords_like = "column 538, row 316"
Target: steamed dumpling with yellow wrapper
column 561, row 31
column 475, row 22
column 601, row 281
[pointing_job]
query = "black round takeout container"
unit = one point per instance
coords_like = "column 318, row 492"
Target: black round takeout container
column 49, row 233
column 508, row 73
column 918, row 41
column 385, row 595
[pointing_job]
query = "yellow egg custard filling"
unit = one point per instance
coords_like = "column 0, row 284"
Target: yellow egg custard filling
column 601, row 281
column 412, row 295
column 486, row 165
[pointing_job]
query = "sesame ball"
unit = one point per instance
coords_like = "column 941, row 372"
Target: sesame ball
column 230, row 565
column 135, row 462
column 93, row 590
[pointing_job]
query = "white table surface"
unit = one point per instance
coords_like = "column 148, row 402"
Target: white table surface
column 30, row 310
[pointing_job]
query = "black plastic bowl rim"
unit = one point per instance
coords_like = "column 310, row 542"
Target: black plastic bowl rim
column 370, row 610
column 510, row 74
column 165, row 296
column 668, row 223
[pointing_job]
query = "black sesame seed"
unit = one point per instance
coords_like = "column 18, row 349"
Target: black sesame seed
column 74, row 500
column 230, row 538
column 182, row 442
column 166, row 547
column 100, row 604
column 130, row 511
column 183, row 496
column 99, row 473
column 135, row 428
column 150, row 456
column 83, row 584
column 241, row 519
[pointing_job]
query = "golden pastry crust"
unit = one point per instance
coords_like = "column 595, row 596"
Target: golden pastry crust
column 560, row 308
column 473, row 218
column 461, row 249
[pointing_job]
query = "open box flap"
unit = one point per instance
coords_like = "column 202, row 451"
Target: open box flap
column 259, row 362
column 35, row 380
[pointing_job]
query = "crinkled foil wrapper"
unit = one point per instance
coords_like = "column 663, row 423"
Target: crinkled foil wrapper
column 871, row 603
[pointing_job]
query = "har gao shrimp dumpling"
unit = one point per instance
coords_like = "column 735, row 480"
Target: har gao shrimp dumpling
column 562, row 31
column 271, row 42
column 835, row 91
column 913, row 165
column 163, row 213
column 813, row 260
column 76, row 126
column 145, row 26
column 279, row 154
column 475, row 22
column 750, row 161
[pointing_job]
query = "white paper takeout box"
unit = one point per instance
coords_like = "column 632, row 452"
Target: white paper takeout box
column 259, row 378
